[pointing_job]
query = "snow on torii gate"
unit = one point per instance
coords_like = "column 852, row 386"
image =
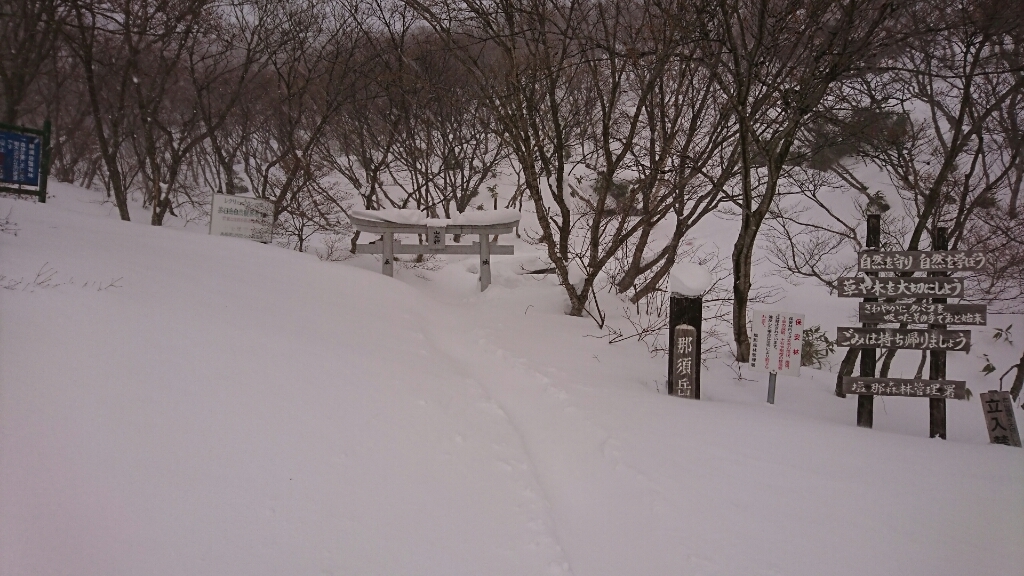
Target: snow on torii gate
column 393, row 221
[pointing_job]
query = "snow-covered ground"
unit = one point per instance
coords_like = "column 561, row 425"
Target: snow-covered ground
column 173, row 403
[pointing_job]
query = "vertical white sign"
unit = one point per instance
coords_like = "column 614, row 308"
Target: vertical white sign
column 775, row 342
column 242, row 217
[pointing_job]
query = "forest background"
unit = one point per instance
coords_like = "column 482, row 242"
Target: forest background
column 623, row 124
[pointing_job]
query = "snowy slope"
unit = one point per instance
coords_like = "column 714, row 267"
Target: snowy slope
column 226, row 407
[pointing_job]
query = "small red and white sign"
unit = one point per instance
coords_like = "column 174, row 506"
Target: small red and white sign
column 775, row 342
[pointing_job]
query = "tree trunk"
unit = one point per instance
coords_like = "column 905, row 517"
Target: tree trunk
column 846, row 369
column 1018, row 380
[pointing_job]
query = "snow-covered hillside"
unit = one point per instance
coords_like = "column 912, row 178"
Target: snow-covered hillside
column 178, row 404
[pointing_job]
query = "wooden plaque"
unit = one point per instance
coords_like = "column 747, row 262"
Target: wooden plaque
column 912, row 261
column 999, row 419
column 685, row 360
column 904, row 338
column 920, row 287
column 952, row 389
column 922, row 313
column 436, row 238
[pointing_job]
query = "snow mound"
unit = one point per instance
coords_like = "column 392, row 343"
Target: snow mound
column 690, row 279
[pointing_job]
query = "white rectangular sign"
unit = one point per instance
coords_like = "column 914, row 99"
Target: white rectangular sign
column 242, row 217
column 775, row 342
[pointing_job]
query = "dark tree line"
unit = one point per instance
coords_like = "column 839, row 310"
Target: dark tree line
column 616, row 118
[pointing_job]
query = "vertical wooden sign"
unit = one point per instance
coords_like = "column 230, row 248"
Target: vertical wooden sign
column 684, row 358
column 685, row 315
column 999, row 419
column 436, row 238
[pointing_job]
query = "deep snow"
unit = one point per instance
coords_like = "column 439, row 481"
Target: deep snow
column 174, row 403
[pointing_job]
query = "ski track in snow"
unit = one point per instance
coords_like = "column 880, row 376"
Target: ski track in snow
column 466, row 354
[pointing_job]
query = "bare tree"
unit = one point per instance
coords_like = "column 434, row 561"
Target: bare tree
column 29, row 35
column 778, row 63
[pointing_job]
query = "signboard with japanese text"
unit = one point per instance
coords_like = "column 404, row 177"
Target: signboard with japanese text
column 685, row 361
column 910, row 261
column 950, row 389
column 924, row 313
column 20, row 158
column 775, row 342
column 242, row 217
column 921, row 287
column 904, row 338
column 436, row 238
column 999, row 418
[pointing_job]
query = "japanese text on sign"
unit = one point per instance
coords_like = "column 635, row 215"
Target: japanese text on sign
column 775, row 342
column 999, row 418
column 907, row 339
column 685, row 360
column 923, row 313
column 947, row 260
column 19, row 158
column 951, row 389
column 242, row 217
column 869, row 287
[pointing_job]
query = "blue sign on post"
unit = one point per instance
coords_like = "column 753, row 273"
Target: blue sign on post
column 20, row 158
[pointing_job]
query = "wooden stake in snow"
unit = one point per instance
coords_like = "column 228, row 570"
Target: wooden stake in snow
column 688, row 282
column 999, row 419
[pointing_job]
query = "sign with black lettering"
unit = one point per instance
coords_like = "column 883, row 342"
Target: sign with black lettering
column 950, row 389
column 870, row 287
column 999, row 418
column 436, row 238
column 685, row 360
column 913, row 261
column 924, row 313
column 904, row 338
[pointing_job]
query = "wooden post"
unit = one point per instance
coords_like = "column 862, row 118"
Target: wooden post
column 771, row 387
column 937, row 358
column 485, row 262
column 865, row 402
column 687, row 310
column 44, row 162
column 388, row 256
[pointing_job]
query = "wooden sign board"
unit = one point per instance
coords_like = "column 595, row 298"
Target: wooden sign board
column 775, row 342
column 685, row 361
column 910, row 261
column 922, row 313
column 921, row 287
column 999, row 418
column 436, row 238
column 951, row 389
column 904, row 338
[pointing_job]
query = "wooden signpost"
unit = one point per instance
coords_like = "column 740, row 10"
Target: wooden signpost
column 684, row 357
column 684, row 320
column 999, row 418
column 924, row 303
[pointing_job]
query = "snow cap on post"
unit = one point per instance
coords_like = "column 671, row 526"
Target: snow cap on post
column 689, row 279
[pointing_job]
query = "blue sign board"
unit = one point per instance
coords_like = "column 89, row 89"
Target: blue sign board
column 20, row 158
